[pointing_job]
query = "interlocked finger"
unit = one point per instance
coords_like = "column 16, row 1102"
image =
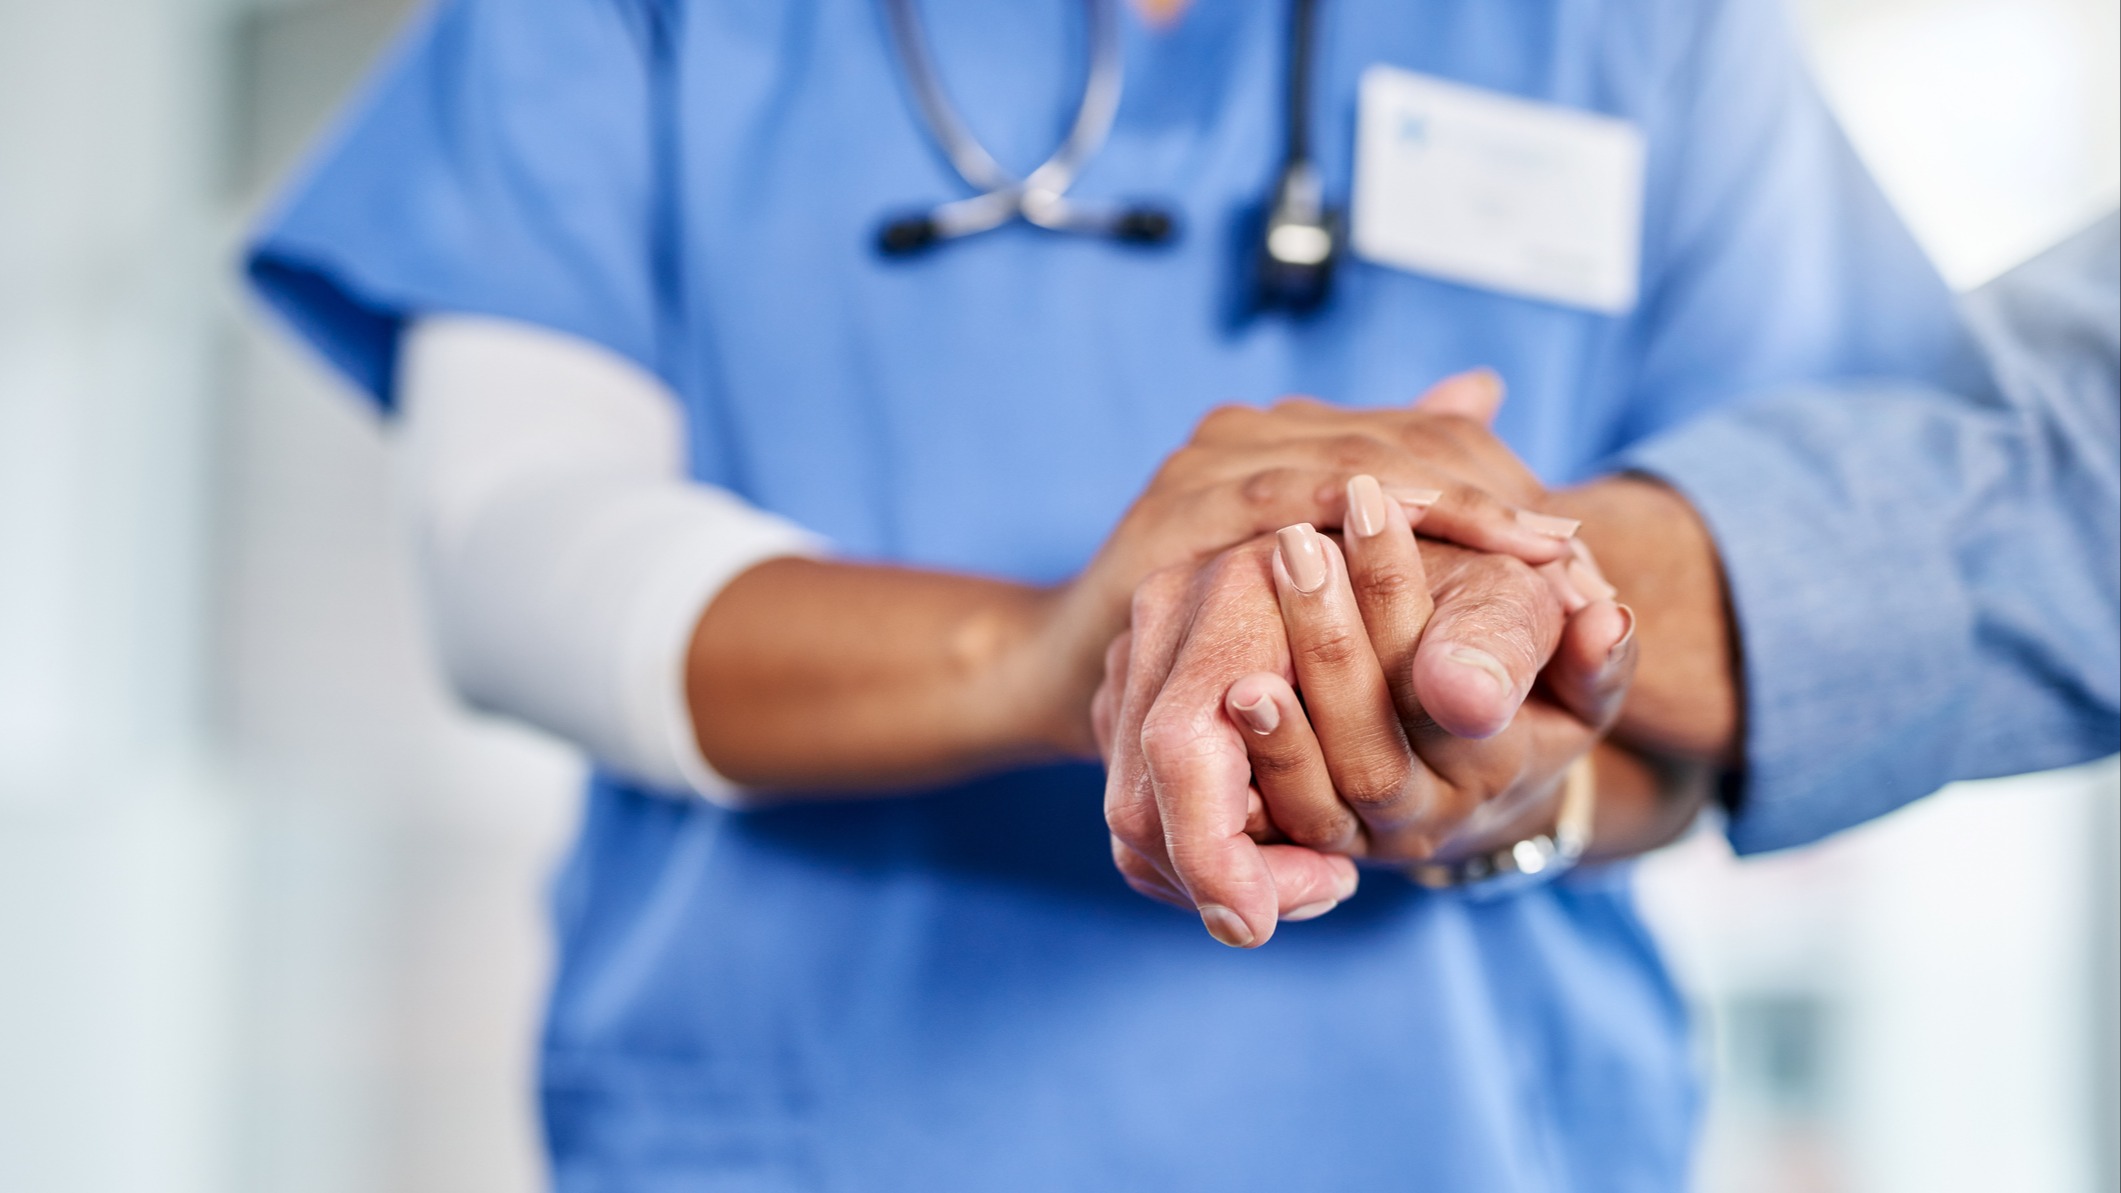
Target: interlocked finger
column 1391, row 587
column 1288, row 767
column 1350, row 704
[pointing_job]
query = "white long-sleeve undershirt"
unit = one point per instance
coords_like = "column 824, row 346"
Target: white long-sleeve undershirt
column 564, row 555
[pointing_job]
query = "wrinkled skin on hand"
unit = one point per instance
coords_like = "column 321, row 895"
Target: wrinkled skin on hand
column 1396, row 751
column 1247, row 472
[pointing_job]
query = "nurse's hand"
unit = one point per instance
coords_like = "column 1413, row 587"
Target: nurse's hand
column 810, row 675
column 1246, row 472
column 1379, row 774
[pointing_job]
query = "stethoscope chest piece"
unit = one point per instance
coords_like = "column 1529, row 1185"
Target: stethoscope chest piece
column 1299, row 235
column 1299, row 244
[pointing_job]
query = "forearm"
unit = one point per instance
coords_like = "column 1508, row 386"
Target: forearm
column 1683, row 715
column 1644, row 802
column 813, row 675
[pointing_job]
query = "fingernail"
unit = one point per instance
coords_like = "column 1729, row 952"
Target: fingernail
column 1548, row 524
column 1304, row 555
column 1366, row 506
column 1225, row 926
column 1347, row 888
column 1589, row 582
column 1420, row 499
column 1492, row 380
column 1260, row 716
column 1627, row 634
column 1484, row 663
column 1309, row 911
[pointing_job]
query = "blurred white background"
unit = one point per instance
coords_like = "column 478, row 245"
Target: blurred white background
column 271, row 908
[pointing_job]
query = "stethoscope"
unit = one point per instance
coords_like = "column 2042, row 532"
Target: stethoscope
column 1298, row 238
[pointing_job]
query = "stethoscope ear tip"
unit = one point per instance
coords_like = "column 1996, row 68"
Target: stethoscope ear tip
column 1145, row 225
column 907, row 236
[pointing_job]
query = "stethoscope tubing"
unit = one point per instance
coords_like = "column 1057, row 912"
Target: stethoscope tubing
column 1299, row 238
column 1040, row 197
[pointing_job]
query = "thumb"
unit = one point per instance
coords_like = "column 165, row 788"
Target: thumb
column 1475, row 394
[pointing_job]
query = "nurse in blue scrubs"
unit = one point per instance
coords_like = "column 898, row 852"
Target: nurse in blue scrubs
column 951, row 988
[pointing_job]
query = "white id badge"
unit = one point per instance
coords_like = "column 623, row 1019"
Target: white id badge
column 1496, row 191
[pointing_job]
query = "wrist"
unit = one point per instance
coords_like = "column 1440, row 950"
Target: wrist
column 1651, row 544
column 1051, row 667
column 1544, row 845
column 1644, row 803
column 1029, row 677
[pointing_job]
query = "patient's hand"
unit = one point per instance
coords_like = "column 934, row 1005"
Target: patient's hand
column 1420, row 734
column 1194, row 787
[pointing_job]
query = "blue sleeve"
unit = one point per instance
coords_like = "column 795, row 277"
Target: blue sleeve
column 500, row 163
column 1927, row 585
column 1770, row 257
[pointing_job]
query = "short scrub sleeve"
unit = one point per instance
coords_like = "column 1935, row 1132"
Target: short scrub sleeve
column 501, row 162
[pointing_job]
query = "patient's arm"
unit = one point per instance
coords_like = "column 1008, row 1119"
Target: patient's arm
column 1686, row 703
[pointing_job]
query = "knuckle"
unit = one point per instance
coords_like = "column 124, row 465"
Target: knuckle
column 1117, row 652
column 1326, row 833
column 1266, row 489
column 1373, row 781
column 1385, row 585
column 1245, row 566
column 1228, row 418
column 1158, row 591
column 1332, row 649
column 1471, row 499
column 1133, row 825
column 1351, row 450
column 1280, row 765
column 1183, row 459
column 1170, row 737
column 1423, row 435
column 1297, row 404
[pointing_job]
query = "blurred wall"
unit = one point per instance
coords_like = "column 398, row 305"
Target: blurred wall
column 270, row 906
column 116, row 891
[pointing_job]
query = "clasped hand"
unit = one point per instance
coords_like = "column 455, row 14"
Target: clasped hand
column 1307, row 698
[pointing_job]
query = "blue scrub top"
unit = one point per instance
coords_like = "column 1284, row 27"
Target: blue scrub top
column 954, row 990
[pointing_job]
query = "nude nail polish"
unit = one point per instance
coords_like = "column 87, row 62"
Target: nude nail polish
column 1492, row 380
column 1615, row 656
column 1303, row 553
column 1627, row 634
column 1366, row 506
column 1548, row 524
column 1225, row 926
column 1420, row 499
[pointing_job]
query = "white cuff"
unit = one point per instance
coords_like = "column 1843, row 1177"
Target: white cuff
column 565, row 557
column 713, row 540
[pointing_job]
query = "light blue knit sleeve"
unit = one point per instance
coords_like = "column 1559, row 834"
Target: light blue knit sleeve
column 1927, row 585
